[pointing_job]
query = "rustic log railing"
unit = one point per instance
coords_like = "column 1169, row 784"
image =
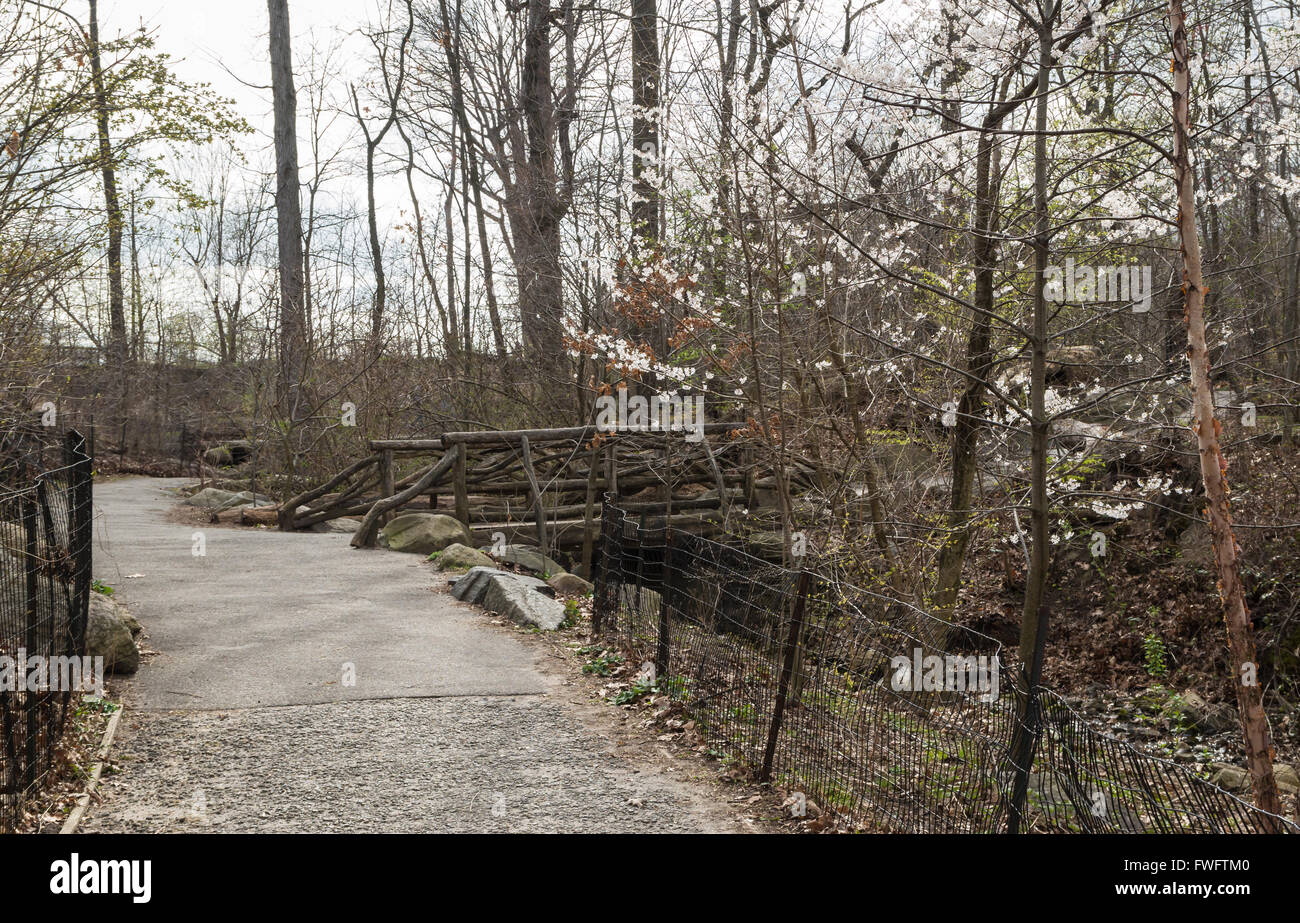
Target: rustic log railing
column 491, row 476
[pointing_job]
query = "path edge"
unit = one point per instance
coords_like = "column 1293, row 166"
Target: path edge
column 83, row 802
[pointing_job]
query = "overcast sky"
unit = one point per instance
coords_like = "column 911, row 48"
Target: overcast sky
column 224, row 42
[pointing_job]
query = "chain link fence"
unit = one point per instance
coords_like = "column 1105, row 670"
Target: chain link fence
column 873, row 709
column 45, row 564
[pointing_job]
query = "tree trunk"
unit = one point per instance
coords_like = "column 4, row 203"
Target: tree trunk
column 117, row 339
column 1241, row 638
column 288, row 211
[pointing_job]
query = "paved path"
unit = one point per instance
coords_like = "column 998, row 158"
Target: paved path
column 243, row 721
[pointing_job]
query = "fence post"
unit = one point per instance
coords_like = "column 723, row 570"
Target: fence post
column 602, row 579
column 460, row 487
column 787, row 670
column 665, row 602
column 1024, row 743
column 32, row 573
column 80, row 519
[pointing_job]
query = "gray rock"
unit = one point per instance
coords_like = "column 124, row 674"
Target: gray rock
column 211, row 498
column 245, row 499
column 108, row 636
column 1192, row 711
column 336, row 525
column 529, row 559
column 459, row 557
column 515, row 596
column 1288, row 782
column 570, row 585
column 1229, row 777
column 1196, row 546
column 423, row 533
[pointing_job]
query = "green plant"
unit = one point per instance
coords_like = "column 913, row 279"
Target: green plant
column 100, row 586
column 571, row 611
column 1155, row 656
column 602, row 664
column 633, row 692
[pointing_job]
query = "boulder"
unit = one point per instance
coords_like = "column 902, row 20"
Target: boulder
column 570, row 585
column 108, row 636
column 1072, row 363
column 459, row 557
column 232, row 453
column 423, row 533
column 245, row 499
column 528, row 558
column 1288, row 782
column 1195, row 545
column 336, row 525
column 517, row 597
column 1192, row 711
column 1229, row 777
column 211, row 498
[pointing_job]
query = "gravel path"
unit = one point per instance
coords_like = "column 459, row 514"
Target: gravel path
column 242, row 725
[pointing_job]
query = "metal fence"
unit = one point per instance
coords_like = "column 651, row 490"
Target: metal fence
column 45, row 563
column 873, row 709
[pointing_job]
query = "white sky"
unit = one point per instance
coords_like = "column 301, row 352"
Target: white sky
column 224, row 42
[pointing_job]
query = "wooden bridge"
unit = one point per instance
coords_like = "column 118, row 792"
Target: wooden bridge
column 543, row 485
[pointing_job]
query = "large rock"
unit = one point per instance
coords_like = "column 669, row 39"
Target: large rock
column 527, row 558
column 1229, row 777
column 517, row 597
column 244, row 499
column 1192, row 711
column 212, row 498
column 570, row 585
column 232, row 453
column 423, row 533
column 459, row 557
column 1072, row 363
column 108, row 636
column 336, row 525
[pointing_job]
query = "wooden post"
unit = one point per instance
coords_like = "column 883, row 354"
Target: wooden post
column 611, row 467
column 365, row 535
column 539, row 512
column 588, row 527
column 386, row 487
column 787, row 670
column 460, row 486
column 724, row 502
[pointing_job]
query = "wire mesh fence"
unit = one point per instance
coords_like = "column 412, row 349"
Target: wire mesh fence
column 45, row 555
column 872, row 708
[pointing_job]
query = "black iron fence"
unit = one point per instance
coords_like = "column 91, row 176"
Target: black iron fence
column 45, row 562
column 872, row 709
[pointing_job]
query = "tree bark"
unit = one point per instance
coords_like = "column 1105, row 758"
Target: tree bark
column 288, row 211
column 117, row 338
column 1241, row 637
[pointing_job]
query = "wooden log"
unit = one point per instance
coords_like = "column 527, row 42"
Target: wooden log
column 286, row 520
column 386, row 475
column 259, row 516
column 560, row 434
column 365, row 536
column 407, row 445
column 652, row 507
column 460, row 486
column 588, row 515
column 539, row 512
